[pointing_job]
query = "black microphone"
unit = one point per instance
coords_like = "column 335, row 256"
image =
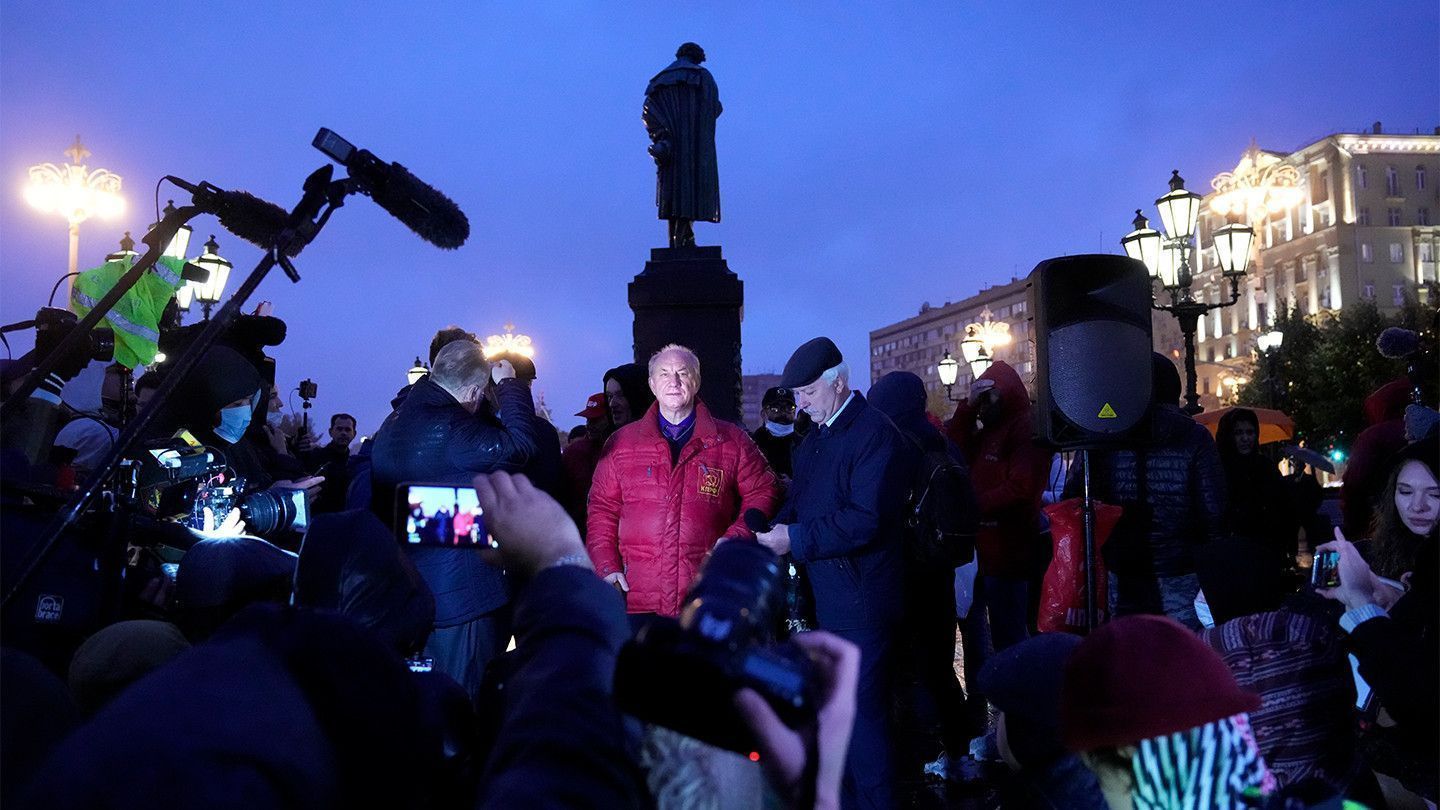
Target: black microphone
column 257, row 221
column 1397, row 343
column 756, row 521
column 424, row 210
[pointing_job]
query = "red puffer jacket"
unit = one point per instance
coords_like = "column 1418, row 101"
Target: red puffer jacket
column 656, row 522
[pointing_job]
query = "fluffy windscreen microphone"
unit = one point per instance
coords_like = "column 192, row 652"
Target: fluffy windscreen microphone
column 756, row 521
column 256, row 221
column 423, row 208
column 1397, row 342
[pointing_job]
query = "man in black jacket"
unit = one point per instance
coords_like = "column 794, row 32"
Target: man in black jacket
column 1172, row 488
column 842, row 521
column 440, row 435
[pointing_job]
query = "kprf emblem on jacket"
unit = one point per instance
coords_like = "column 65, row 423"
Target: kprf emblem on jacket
column 711, row 482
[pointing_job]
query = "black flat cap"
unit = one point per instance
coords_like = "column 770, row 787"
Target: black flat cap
column 809, row 362
column 776, row 395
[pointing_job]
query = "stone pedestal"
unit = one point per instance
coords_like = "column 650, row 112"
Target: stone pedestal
column 689, row 296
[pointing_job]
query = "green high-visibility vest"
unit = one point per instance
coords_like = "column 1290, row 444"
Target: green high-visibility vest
column 136, row 316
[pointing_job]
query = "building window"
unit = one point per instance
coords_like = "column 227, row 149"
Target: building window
column 1322, row 280
column 1399, row 295
column 1392, row 216
column 1392, row 182
column 1207, row 379
column 1368, row 292
column 1360, row 179
column 1419, row 178
column 1366, row 254
column 1425, row 253
column 1422, row 216
column 1397, row 253
column 1362, row 217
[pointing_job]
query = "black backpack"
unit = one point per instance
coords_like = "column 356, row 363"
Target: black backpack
column 941, row 512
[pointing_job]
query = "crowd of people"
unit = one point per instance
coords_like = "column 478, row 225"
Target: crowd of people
column 185, row 647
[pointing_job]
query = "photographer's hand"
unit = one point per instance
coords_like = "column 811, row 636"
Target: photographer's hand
column 783, row 749
column 229, row 526
column 502, row 370
column 1358, row 584
column 533, row 530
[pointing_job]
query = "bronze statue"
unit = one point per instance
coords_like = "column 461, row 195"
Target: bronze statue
column 681, row 105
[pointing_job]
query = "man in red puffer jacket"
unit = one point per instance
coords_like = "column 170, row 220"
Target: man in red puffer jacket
column 668, row 486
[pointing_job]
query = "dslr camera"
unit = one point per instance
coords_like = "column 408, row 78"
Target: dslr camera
column 52, row 324
column 682, row 674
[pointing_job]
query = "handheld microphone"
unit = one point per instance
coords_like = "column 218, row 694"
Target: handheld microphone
column 424, row 210
column 1397, row 342
column 756, row 521
column 257, row 221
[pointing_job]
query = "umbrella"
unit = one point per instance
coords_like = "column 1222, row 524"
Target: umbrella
column 1274, row 425
column 1305, row 455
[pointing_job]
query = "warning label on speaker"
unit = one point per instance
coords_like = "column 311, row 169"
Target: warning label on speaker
column 1108, row 412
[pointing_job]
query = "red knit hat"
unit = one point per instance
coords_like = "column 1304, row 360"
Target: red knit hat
column 1140, row 677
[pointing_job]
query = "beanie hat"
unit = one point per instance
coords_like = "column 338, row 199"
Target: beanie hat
column 1139, row 677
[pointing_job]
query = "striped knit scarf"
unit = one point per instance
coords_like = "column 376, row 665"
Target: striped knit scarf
column 1207, row 766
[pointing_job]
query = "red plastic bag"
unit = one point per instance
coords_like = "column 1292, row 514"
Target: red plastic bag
column 1062, row 598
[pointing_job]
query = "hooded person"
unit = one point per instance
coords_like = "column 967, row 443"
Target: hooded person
column 995, row 430
column 1160, row 730
column 281, row 708
column 221, row 576
column 216, row 402
column 349, row 562
column 929, row 589
column 1257, row 503
column 627, row 392
column 119, row 655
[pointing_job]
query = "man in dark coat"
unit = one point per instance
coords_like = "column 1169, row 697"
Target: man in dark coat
column 842, row 521
column 1172, row 488
column 438, row 437
column 778, row 438
column 681, row 105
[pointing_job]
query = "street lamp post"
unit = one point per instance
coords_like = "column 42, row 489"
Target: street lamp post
column 1167, row 257
column 417, row 372
column 208, row 292
column 978, row 347
column 509, row 343
column 949, row 371
column 1269, row 345
column 75, row 193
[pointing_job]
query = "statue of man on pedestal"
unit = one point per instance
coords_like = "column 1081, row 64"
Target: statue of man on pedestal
column 681, row 105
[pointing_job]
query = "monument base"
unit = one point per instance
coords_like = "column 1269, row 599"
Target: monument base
column 689, row 296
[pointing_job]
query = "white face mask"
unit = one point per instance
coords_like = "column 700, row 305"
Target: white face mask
column 274, row 418
column 777, row 429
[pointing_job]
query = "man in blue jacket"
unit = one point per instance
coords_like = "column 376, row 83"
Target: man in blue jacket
column 842, row 521
column 441, row 435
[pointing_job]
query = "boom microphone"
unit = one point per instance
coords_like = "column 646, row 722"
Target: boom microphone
column 424, row 210
column 756, row 521
column 1397, row 343
column 257, row 221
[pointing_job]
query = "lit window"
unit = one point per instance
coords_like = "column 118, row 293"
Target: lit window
column 1366, row 254
column 1425, row 253
column 1392, row 182
column 1369, row 291
column 1360, row 175
column 1399, row 295
column 1397, row 253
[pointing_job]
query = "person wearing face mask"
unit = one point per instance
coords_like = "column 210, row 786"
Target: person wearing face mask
column 440, row 434
column 778, row 438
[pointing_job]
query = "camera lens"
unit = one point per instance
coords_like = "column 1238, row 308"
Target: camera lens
column 266, row 512
column 736, row 594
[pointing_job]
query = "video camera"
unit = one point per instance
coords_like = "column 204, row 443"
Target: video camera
column 179, row 478
column 683, row 674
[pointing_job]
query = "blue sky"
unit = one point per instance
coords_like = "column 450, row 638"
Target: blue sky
column 871, row 157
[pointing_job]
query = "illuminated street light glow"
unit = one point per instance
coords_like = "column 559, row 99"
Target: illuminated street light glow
column 76, row 193
column 509, row 343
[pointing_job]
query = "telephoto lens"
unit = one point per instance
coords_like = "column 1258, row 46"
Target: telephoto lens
column 267, row 512
column 720, row 644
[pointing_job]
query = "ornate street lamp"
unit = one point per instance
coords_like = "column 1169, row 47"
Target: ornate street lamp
column 981, row 341
column 949, row 371
column 208, row 292
column 75, row 193
column 1179, row 213
column 509, row 343
column 126, row 251
column 417, row 372
column 1269, row 344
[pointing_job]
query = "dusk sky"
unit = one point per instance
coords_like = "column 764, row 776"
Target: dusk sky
column 872, row 156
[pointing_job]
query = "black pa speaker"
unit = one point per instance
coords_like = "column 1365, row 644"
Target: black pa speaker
column 1090, row 316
